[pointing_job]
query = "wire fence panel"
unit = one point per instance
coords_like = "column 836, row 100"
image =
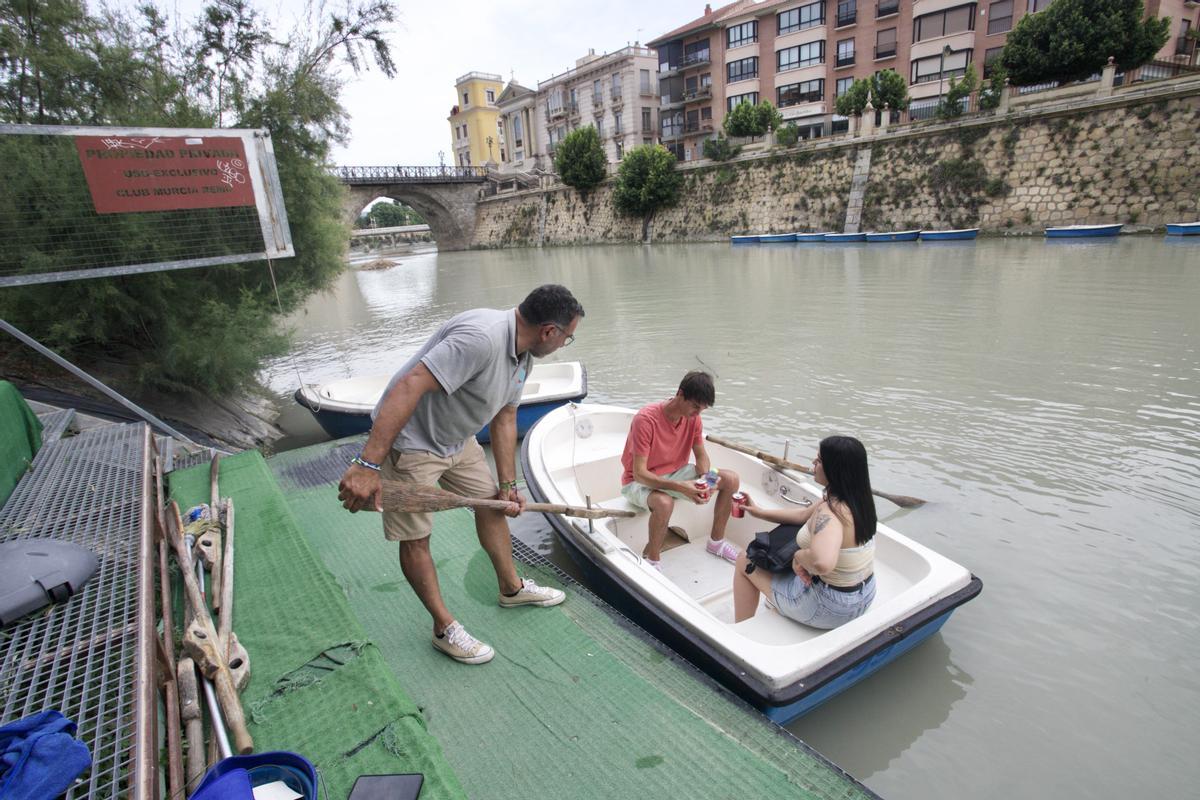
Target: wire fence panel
column 93, row 202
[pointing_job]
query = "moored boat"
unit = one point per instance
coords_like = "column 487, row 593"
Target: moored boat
column 1183, row 229
column 893, row 236
column 777, row 237
column 845, row 237
column 812, row 237
column 744, row 239
column 1077, row 231
column 782, row 667
column 952, row 235
column 343, row 408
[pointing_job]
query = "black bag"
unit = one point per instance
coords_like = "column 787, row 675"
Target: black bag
column 773, row 550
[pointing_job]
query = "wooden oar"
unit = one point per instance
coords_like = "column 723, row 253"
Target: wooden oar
column 902, row 500
column 410, row 497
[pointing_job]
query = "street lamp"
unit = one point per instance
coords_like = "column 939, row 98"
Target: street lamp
column 946, row 51
column 489, row 144
column 442, row 160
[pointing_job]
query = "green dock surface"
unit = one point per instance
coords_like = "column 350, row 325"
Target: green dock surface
column 578, row 703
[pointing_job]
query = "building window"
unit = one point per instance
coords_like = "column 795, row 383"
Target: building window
column 803, row 55
column 737, row 100
column 845, row 52
column 466, row 98
column 944, row 23
column 647, row 141
column 616, row 86
column 885, row 8
column 600, row 127
column 885, row 43
column 617, row 124
column 847, row 12
column 742, row 70
column 798, row 19
column 991, row 55
column 620, row 151
column 597, row 97
column 839, row 124
column 644, row 75
column 1000, row 17
column 647, row 121
column 936, row 68
column 738, row 35
column 843, row 86
column 706, row 113
column 695, row 53
column 1038, row 5
column 491, row 96
column 518, row 132
column 796, row 93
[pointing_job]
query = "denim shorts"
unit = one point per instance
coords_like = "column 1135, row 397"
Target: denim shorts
column 817, row 604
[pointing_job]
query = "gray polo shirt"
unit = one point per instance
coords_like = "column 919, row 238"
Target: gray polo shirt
column 474, row 358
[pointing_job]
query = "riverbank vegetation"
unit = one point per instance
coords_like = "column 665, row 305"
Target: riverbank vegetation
column 205, row 330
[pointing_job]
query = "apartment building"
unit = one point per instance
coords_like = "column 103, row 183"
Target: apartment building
column 616, row 92
column 803, row 54
column 476, row 135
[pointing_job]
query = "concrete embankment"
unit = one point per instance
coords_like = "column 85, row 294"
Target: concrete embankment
column 1128, row 158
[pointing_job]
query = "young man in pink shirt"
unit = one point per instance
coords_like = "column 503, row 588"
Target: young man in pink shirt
column 661, row 439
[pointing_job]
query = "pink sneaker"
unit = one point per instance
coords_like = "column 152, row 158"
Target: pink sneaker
column 722, row 549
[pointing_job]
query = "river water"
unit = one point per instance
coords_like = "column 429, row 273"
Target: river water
column 1043, row 396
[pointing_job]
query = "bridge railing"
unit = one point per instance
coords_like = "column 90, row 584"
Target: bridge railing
column 400, row 174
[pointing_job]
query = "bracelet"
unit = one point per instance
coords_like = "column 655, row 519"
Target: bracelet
column 508, row 485
column 362, row 462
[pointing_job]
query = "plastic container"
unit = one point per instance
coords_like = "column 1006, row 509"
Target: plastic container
column 280, row 765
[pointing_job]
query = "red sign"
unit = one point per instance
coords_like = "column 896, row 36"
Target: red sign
column 162, row 173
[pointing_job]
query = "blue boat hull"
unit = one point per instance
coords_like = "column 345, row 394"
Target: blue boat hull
column 1183, row 229
column 340, row 425
column 902, row 236
column 810, row 237
column 1082, row 233
column 948, row 236
column 743, row 240
column 845, row 237
column 778, row 237
column 779, row 706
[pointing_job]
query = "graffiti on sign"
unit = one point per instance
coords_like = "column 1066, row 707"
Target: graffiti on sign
column 164, row 173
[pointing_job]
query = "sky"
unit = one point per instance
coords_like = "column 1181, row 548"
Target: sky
column 402, row 121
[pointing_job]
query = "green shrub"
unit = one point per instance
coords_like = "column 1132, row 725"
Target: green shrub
column 788, row 135
column 719, row 149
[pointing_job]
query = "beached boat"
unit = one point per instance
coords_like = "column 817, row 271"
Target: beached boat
column 812, row 237
column 782, row 667
column 845, row 237
column 893, row 236
column 1077, row 231
column 1183, row 229
column 953, row 235
column 343, row 408
column 746, row 239
column 777, row 237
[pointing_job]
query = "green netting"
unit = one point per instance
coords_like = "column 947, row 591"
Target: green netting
column 575, row 705
column 318, row 686
column 20, row 438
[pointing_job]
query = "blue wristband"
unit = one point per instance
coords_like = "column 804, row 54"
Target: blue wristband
column 362, row 462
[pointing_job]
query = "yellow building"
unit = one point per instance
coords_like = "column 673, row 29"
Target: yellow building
column 476, row 132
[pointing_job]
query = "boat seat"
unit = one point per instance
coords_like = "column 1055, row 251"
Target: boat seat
column 619, row 503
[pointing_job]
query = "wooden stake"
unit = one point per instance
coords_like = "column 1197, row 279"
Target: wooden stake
column 414, row 498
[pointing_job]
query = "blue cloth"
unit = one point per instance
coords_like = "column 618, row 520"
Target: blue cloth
column 40, row 757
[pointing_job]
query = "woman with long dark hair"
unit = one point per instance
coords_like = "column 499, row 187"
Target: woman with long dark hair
column 833, row 572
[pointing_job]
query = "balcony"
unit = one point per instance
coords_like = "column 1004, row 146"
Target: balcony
column 696, row 95
column 701, row 58
column 597, row 100
column 886, row 8
column 845, row 61
column 669, row 103
column 885, row 51
column 1184, row 46
column 846, row 18
column 561, row 110
column 618, row 98
column 671, row 133
column 705, row 126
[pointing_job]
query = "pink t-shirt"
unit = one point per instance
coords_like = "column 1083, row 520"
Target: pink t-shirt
column 667, row 446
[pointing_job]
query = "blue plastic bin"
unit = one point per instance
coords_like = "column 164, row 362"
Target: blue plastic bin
column 292, row 768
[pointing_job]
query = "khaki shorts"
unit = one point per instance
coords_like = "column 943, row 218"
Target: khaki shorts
column 466, row 473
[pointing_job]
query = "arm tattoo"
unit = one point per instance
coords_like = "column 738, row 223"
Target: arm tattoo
column 821, row 521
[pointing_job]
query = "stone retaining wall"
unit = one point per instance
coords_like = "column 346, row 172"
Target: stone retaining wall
column 1133, row 162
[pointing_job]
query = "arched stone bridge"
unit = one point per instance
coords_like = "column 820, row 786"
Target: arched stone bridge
column 444, row 196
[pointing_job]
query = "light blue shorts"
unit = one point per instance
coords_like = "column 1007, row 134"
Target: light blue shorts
column 638, row 493
column 817, row 604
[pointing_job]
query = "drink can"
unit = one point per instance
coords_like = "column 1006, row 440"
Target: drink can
column 739, row 504
column 702, row 487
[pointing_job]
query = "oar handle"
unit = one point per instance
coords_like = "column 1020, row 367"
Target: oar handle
column 553, row 508
column 902, row 500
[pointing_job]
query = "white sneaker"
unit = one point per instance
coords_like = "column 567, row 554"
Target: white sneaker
column 533, row 595
column 462, row 646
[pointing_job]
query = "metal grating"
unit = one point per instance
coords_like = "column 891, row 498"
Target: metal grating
column 90, row 657
column 56, row 424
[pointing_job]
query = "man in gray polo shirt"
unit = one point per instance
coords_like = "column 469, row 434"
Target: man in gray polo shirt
column 470, row 372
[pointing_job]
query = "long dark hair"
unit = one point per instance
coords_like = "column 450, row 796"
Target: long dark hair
column 845, row 462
